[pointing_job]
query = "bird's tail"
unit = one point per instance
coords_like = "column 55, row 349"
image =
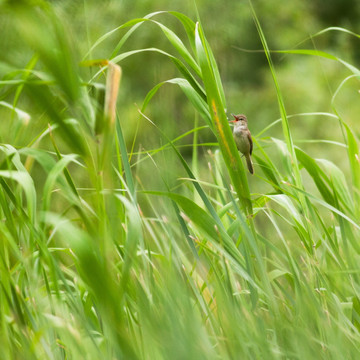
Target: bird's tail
column 249, row 164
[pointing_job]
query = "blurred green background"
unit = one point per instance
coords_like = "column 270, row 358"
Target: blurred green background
column 307, row 82
column 294, row 280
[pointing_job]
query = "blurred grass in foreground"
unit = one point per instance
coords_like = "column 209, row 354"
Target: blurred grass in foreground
column 209, row 270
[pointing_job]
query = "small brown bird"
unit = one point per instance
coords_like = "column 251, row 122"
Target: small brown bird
column 243, row 140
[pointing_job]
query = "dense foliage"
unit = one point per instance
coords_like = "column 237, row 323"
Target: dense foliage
column 134, row 230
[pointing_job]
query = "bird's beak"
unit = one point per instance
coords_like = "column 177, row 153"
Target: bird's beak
column 232, row 121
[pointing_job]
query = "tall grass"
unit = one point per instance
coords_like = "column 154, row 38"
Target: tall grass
column 225, row 274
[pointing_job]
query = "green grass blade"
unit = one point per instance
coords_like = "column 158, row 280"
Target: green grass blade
column 221, row 125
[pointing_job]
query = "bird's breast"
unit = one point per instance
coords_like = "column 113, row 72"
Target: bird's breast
column 241, row 140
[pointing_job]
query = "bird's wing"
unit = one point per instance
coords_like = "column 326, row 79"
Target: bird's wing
column 250, row 141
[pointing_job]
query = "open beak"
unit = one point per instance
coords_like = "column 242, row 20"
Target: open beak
column 232, row 121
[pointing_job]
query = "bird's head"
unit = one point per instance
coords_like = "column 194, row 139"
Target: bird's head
column 241, row 117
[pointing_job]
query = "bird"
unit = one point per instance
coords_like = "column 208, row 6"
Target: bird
column 243, row 140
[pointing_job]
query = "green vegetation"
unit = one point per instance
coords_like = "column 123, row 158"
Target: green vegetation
column 111, row 249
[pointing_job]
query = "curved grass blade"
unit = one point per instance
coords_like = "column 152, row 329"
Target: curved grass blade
column 209, row 226
column 223, row 132
column 198, row 101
